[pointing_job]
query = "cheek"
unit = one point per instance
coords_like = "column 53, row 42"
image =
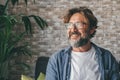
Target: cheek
column 83, row 33
column 68, row 33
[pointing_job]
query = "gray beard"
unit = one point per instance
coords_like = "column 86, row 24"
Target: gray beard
column 78, row 43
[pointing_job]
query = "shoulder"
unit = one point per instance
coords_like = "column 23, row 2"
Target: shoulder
column 105, row 51
column 105, row 54
column 60, row 54
column 101, row 50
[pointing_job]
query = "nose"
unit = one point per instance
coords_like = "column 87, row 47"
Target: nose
column 74, row 28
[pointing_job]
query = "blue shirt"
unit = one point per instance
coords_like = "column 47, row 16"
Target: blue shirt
column 59, row 65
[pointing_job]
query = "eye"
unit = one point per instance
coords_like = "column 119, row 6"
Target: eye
column 78, row 24
column 68, row 25
column 84, row 23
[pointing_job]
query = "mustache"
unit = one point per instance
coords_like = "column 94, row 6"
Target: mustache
column 74, row 33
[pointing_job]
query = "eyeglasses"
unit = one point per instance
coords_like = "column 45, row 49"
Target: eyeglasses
column 78, row 25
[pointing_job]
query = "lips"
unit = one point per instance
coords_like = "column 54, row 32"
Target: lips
column 74, row 36
column 74, row 33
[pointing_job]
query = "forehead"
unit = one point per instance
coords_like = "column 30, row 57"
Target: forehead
column 78, row 17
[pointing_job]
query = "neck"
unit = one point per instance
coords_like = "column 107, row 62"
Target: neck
column 84, row 48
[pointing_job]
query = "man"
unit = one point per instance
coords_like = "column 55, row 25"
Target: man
column 83, row 60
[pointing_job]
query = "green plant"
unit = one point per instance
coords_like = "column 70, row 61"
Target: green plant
column 10, row 40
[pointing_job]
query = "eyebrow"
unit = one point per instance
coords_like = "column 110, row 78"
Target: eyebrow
column 79, row 22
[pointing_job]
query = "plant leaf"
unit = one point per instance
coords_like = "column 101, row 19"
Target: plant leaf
column 10, row 46
column 19, row 50
column 26, row 1
column 14, row 2
column 23, row 65
column 2, row 7
column 42, row 24
column 27, row 24
column 34, row 1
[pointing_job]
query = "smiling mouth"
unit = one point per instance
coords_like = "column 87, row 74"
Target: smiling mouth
column 74, row 36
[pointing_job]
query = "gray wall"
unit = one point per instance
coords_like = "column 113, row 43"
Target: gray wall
column 52, row 39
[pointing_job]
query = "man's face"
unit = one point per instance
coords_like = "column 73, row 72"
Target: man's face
column 77, row 30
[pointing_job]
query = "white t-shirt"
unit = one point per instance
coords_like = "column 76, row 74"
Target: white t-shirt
column 84, row 66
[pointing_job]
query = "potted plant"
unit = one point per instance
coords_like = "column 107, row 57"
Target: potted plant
column 9, row 39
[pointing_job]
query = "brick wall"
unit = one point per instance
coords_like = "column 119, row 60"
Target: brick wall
column 52, row 39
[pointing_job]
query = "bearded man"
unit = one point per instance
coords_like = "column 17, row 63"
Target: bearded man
column 83, row 60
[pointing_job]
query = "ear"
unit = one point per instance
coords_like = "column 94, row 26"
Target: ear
column 92, row 30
